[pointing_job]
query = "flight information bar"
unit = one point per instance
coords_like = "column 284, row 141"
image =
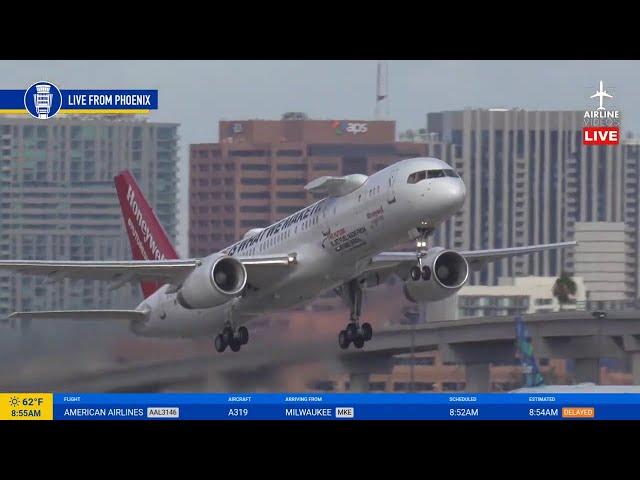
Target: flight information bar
column 319, row 406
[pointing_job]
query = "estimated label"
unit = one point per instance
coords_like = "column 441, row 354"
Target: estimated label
column 26, row 406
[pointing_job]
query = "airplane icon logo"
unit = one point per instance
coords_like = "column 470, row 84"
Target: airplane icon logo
column 601, row 94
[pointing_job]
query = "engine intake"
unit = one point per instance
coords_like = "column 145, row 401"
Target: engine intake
column 451, row 269
column 215, row 282
column 444, row 273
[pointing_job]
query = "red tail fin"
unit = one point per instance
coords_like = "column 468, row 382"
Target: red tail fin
column 148, row 239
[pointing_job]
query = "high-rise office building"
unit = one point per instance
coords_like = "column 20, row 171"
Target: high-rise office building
column 529, row 179
column 605, row 258
column 257, row 172
column 58, row 201
column 631, row 205
column 516, row 296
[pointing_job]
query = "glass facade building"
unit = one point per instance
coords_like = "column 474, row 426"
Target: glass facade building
column 529, row 180
column 58, row 201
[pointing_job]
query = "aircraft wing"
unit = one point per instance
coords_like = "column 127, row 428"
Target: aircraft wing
column 81, row 315
column 115, row 271
column 260, row 269
column 479, row 258
column 476, row 258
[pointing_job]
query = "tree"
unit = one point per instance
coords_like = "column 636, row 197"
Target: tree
column 564, row 288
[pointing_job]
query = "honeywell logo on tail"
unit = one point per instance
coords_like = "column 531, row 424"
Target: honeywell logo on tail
column 147, row 238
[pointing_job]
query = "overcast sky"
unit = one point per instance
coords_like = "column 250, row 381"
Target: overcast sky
column 197, row 94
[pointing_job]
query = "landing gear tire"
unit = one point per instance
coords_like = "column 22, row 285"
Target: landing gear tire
column 416, row 274
column 426, row 273
column 219, row 343
column 227, row 335
column 235, row 345
column 343, row 339
column 243, row 335
column 367, row 332
column 352, row 331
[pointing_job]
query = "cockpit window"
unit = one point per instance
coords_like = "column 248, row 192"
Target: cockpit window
column 417, row 177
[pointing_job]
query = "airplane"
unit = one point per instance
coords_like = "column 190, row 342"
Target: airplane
column 338, row 243
column 601, row 94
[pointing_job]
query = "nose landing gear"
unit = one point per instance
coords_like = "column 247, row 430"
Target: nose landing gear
column 417, row 273
column 355, row 332
column 422, row 246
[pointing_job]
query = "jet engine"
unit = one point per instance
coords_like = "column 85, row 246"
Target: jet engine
column 443, row 273
column 216, row 281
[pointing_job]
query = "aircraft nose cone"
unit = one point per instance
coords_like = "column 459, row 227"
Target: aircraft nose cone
column 456, row 193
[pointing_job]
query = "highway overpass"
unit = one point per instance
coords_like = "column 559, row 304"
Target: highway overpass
column 478, row 342
column 473, row 342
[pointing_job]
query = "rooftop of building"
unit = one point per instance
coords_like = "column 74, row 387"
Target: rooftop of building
column 84, row 119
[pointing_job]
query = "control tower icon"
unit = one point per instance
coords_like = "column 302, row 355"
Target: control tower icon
column 43, row 100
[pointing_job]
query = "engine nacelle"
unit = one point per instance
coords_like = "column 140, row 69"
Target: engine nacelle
column 444, row 273
column 216, row 281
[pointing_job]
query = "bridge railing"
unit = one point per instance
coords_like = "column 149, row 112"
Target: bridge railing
column 411, row 316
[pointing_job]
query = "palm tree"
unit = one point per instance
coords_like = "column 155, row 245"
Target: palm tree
column 564, row 288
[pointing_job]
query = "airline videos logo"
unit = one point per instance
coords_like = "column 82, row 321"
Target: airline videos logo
column 344, row 127
column 44, row 100
column 601, row 126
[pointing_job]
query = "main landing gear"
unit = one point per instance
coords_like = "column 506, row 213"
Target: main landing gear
column 355, row 332
column 231, row 339
column 421, row 271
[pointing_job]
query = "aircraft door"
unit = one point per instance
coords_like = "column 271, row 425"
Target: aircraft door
column 327, row 220
column 391, row 192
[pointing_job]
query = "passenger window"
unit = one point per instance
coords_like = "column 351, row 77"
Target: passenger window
column 435, row 173
column 417, row 177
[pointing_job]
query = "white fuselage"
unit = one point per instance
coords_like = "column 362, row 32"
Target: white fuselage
column 333, row 240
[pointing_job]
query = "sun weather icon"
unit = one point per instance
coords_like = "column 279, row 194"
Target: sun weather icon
column 43, row 100
column 14, row 402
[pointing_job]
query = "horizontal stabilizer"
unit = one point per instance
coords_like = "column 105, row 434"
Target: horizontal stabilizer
column 336, row 186
column 81, row 315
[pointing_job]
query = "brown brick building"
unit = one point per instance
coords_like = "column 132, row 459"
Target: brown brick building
column 257, row 172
